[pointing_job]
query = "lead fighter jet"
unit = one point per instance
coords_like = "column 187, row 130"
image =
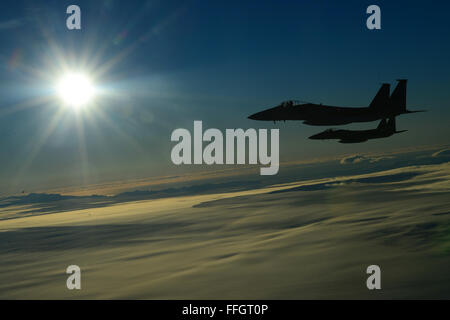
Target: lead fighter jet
column 384, row 130
column 382, row 106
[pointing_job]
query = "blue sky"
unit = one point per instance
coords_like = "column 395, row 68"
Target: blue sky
column 168, row 63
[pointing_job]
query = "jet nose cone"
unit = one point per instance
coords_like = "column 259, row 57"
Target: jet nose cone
column 254, row 116
column 267, row 115
column 315, row 136
column 319, row 136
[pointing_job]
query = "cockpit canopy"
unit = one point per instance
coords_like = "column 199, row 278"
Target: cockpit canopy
column 290, row 103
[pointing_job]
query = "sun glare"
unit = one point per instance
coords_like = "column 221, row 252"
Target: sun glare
column 75, row 89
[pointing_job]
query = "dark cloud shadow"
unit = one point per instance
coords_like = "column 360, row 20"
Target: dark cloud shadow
column 37, row 239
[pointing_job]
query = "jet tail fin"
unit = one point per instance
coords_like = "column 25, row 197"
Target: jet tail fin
column 381, row 99
column 392, row 126
column 382, row 124
column 391, row 123
column 398, row 96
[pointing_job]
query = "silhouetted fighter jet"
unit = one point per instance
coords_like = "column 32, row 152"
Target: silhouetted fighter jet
column 383, row 130
column 382, row 106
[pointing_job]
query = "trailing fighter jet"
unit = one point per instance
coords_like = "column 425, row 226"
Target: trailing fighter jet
column 384, row 130
column 382, row 106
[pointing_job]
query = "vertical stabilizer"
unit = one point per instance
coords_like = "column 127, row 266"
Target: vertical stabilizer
column 398, row 96
column 382, row 124
column 391, row 124
column 381, row 99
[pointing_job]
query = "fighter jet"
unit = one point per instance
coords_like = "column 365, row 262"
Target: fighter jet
column 384, row 130
column 382, row 106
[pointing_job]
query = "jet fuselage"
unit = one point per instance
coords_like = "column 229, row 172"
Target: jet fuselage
column 382, row 106
column 322, row 115
column 383, row 130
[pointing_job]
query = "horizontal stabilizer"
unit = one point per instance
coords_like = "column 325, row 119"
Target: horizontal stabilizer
column 415, row 111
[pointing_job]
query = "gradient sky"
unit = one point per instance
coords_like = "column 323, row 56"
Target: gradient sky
column 165, row 64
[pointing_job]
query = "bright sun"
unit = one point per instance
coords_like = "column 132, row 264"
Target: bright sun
column 75, row 89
